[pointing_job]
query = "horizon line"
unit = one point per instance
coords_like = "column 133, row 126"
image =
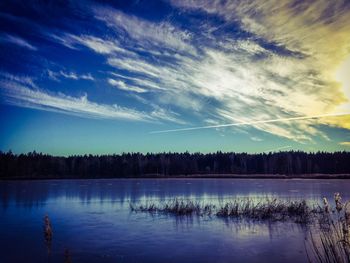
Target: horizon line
column 275, row 150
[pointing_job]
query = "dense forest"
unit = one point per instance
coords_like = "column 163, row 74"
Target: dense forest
column 38, row 165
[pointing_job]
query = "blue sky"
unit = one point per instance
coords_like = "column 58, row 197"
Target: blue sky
column 151, row 76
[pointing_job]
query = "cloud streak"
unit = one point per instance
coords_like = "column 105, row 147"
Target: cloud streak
column 68, row 75
column 17, row 41
column 121, row 85
column 96, row 44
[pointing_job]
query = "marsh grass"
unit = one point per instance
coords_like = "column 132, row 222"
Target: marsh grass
column 266, row 209
column 175, row 207
column 297, row 211
column 329, row 242
column 330, row 245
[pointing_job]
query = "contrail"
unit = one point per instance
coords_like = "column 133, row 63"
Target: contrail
column 279, row 148
column 255, row 122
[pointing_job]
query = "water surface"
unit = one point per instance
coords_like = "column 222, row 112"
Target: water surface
column 92, row 219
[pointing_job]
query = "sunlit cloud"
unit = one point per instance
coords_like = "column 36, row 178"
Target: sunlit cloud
column 319, row 30
column 347, row 144
column 288, row 84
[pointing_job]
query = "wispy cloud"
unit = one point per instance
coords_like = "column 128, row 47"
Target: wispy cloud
column 15, row 91
column 97, row 44
column 136, row 65
column 121, row 85
column 24, row 80
column 145, row 32
column 16, row 40
column 72, row 75
column 68, row 75
column 347, row 144
column 19, row 95
column 143, row 82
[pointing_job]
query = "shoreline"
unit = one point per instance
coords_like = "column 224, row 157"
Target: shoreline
column 192, row 176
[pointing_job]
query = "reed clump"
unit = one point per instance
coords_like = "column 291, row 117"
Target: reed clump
column 275, row 210
column 267, row 209
column 47, row 228
column 176, row 207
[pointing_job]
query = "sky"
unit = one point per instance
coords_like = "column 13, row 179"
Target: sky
column 106, row 77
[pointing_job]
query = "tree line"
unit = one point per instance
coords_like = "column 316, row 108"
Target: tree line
column 38, row 165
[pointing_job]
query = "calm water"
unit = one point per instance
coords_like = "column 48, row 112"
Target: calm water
column 93, row 220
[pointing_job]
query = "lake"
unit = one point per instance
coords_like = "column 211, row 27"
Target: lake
column 93, row 221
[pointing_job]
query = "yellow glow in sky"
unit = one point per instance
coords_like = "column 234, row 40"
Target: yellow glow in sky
column 343, row 76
